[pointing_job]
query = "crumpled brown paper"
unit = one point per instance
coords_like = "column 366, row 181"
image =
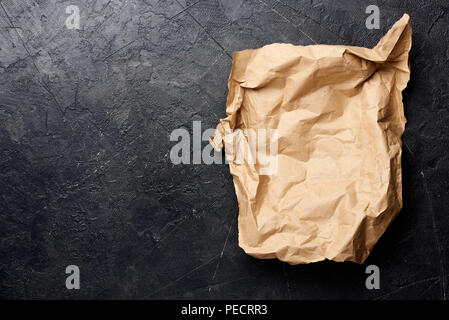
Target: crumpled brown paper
column 339, row 115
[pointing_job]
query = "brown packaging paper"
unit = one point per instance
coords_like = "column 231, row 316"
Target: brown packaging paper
column 334, row 116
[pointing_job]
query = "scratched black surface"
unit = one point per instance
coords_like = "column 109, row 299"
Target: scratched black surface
column 85, row 173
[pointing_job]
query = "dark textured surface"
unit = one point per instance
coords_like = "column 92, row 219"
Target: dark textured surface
column 85, row 173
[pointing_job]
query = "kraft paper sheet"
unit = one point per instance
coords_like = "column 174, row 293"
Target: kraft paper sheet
column 338, row 112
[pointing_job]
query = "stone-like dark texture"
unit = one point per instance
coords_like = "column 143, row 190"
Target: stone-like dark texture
column 85, row 172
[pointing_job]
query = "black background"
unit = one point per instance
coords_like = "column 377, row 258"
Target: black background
column 85, row 172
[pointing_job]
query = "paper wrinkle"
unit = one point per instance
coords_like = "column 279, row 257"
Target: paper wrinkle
column 339, row 118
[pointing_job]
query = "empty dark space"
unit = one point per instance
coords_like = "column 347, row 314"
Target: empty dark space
column 85, row 172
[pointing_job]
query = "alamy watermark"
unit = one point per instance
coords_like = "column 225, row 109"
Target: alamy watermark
column 373, row 20
column 73, row 20
column 73, row 280
column 373, row 280
column 258, row 147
